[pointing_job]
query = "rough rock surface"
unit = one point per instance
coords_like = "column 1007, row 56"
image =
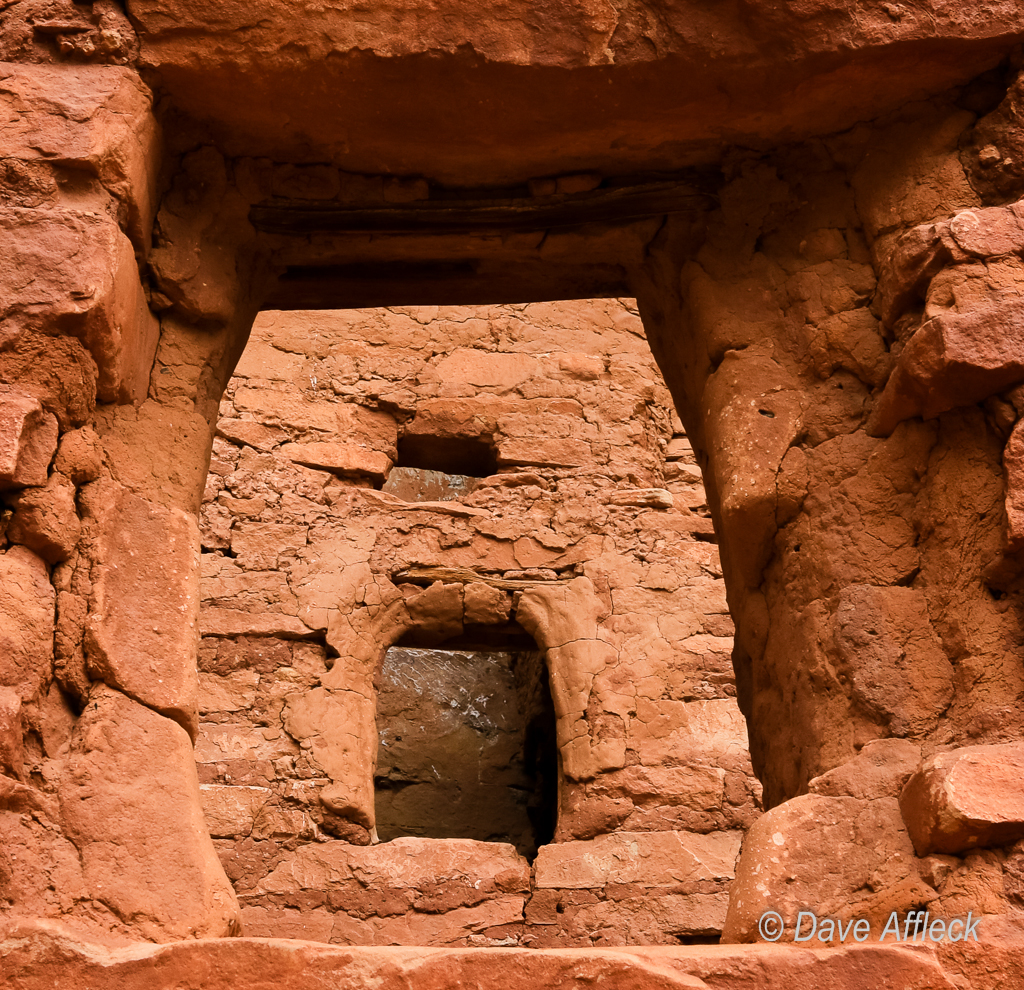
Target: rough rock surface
column 127, row 827
column 139, row 638
column 28, row 440
column 817, row 207
column 33, row 956
column 578, row 546
column 965, row 798
column 782, row 868
column 26, row 634
column 684, row 80
column 408, row 891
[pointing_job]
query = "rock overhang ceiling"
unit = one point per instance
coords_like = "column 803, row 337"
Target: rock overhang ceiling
column 542, row 89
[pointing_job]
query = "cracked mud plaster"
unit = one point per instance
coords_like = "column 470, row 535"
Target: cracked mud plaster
column 598, row 563
column 862, row 511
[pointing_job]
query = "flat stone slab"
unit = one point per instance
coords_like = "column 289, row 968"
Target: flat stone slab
column 141, row 633
column 46, row 955
column 404, row 862
column 648, row 858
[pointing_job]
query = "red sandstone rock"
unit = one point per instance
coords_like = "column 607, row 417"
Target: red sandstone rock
column 28, row 440
column 466, row 416
column 142, row 630
column 850, row 63
column 333, row 723
column 26, row 630
column 953, row 360
column 146, row 854
column 540, row 452
column 57, row 371
column 684, row 732
column 405, row 862
column 906, row 263
column 760, row 418
column 176, row 439
column 78, row 456
column 94, row 118
column 650, row 859
column 46, row 520
column 880, row 770
column 892, row 656
column 654, row 498
column 88, row 286
column 628, row 915
column 11, row 746
column 407, row 891
column 855, row 567
column 484, row 604
column 561, row 615
column 966, row 798
column 993, row 155
column 436, row 611
column 241, row 622
column 253, row 434
column 700, row 796
column 36, row 956
column 1013, row 471
column 988, row 233
column 340, row 458
column 483, row 369
column 840, row 856
column 258, row 546
column 231, row 811
column 101, row 34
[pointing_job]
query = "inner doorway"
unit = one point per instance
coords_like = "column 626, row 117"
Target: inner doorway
column 466, row 744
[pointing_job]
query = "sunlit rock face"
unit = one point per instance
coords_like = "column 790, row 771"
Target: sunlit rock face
column 283, row 388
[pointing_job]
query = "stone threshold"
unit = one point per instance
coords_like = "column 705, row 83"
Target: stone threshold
column 44, row 954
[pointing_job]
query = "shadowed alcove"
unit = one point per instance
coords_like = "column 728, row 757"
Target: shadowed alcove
column 466, row 742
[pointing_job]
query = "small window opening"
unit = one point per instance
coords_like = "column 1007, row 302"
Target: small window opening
column 467, row 456
column 467, row 742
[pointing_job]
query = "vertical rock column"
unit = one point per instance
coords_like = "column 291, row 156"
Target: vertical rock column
column 101, row 475
column 564, row 622
column 858, row 521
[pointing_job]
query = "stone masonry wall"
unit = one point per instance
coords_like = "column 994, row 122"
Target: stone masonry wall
column 589, row 533
column 818, row 208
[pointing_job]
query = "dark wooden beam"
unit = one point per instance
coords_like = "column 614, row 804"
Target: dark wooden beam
column 469, row 283
column 427, row 575
column 449, row 215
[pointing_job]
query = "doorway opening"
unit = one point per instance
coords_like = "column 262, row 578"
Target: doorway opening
column 463, row 484
column 466, row 741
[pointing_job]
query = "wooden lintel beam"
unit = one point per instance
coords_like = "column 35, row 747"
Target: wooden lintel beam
column 608, row 205
column 463, row 575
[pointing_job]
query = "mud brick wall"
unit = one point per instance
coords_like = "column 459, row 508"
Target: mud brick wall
column 334, row 528
column 818, row 209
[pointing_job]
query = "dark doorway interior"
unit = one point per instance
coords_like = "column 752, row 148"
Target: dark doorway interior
column 467, row 744
column 468, row 456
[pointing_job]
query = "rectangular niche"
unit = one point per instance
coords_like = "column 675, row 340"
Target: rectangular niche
column 466, row 746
